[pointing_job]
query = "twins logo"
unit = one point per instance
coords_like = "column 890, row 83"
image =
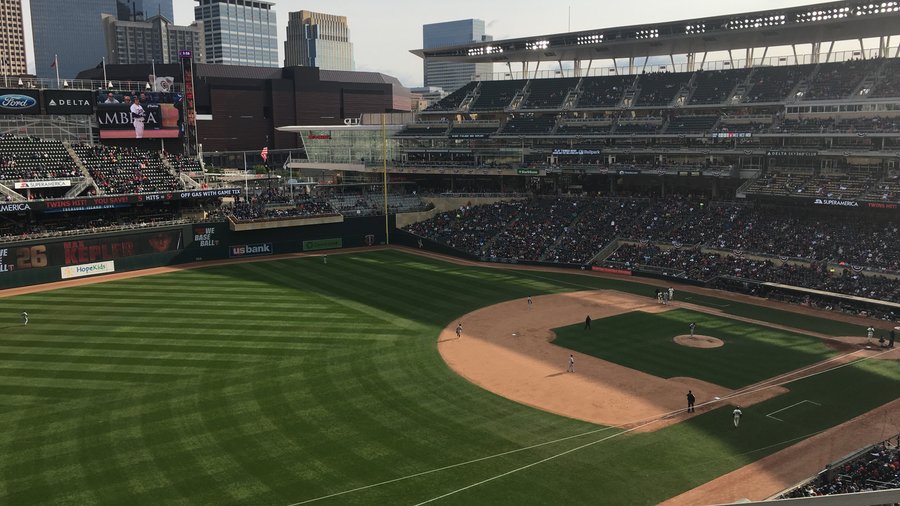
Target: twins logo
column 15, row 102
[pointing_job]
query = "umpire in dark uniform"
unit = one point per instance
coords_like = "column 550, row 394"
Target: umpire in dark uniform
column 690, row 399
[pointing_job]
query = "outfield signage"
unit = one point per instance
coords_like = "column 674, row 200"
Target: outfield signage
column 107, row 202
column 576, row 152
column 68, row 102
column 14, row 101
column 250, row 250
column 320, row 244
column 90, row 250
column 789, row 152
column 205, row 237
column 835, row 202
column 80, row 271
column 528, row 172
column 6, row 261
column 49, row 183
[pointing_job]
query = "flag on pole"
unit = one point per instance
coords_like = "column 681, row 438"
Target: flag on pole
column 265, row 154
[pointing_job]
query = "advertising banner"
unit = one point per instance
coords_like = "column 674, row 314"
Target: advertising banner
column 117, row 121
column 68, row 102
column 320, row 244
column 250, row 250
column 79, row 271
column 20, row 101
column 48, row 183
column 78, row 252
column 111, row 202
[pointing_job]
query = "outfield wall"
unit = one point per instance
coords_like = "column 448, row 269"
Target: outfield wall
column 53, row 259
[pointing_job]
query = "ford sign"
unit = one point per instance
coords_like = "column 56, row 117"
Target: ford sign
column 17, row 102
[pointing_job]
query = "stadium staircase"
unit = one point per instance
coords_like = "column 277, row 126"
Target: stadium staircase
column 85, row 183
column 802, row 86
column 868, row 83
column 470, row 98
column 13, row 196
column 740, row 89
column 519, row 98
column 186, row 181
column 684, row 95
column 607, row 250
column 571, row 99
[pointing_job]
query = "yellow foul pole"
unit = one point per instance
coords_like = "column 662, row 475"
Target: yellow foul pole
column 387, row 232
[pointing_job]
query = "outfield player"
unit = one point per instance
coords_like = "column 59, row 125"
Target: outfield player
column 737, row 416
column 571, row 367
column 459, row 330
column 24, row 318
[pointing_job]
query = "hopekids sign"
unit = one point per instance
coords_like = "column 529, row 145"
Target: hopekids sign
column 78, row 271
column 250, row 250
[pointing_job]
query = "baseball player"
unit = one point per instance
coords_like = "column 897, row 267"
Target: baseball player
column 659, row 296
column 671, row 293
column 737, row 416
column 459, row 330
column 571, row 367
column 587, row 322
column 137, row 118
column 870, row 332
column 529, row 301
column 665, row 295
column 690, row 399
column 692, row 326
column 324, row 259
column 24, row 318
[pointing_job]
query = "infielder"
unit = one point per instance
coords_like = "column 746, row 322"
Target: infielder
column 870, row 332
column 24, row 318
column 137, row 118
column 529, row 301
column 571, row 367
column 665, row 296
column 692, row 326
column 737, row 416
column 659, row 297
column 459, row 330
column 671, row 293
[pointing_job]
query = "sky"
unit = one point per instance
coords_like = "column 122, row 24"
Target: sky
column 384, row 31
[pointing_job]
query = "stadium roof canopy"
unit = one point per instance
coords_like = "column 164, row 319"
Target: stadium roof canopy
column 818, row 23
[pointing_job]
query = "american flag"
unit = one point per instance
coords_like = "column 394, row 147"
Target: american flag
column 265, row 154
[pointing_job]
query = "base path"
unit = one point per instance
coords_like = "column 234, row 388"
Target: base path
column 506, row 348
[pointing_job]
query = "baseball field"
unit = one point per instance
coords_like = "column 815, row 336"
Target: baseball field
column 292, row 381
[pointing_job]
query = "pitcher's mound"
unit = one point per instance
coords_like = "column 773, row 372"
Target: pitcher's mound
column 699, row 341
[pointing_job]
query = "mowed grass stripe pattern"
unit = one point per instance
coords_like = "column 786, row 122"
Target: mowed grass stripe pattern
column 258, row 383
column 277, row 382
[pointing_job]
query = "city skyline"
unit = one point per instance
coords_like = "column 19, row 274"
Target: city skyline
column 387, row 51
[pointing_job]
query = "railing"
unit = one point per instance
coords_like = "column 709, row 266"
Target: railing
column 10, row 81
column 681, row 66
column 94, row 230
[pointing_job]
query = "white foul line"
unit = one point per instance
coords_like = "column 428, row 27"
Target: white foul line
column 641, row 424
column 789, row 407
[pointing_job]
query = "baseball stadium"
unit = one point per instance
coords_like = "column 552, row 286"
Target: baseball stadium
column 639, row 275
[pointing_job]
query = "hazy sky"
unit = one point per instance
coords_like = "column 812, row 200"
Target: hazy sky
column 383, row 31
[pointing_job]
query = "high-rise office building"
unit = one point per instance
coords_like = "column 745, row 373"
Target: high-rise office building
column 73, row 30
column 154, row 40
column 318, row 40
column 142, row 10
column 12, row 38
column 70, row 30
column 239, row 32
column 452, row 76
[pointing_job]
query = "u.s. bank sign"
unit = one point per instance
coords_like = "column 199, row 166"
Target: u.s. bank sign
column 68, row 102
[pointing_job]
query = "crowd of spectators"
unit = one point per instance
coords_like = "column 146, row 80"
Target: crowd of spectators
column 795, row 248
column 693, row 263
column 876, row 469
column 262, row 210
column 122, row 170
column 77, row 225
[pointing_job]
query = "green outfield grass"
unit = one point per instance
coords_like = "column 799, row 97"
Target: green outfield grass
column 645, row 341
column 284, row 381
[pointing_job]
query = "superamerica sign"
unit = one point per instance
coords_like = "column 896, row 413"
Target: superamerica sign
column 112, row 202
